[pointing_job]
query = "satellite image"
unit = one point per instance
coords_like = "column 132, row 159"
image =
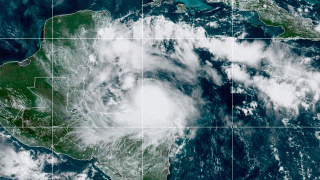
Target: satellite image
column 160, row 89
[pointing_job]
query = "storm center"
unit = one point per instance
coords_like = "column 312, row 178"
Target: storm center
column 156, row 104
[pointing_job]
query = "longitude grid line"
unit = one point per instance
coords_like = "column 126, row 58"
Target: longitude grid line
column 52, row 89
column 142, row 74
column 232, row 88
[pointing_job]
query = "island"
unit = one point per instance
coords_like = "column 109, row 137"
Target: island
column 273, row 15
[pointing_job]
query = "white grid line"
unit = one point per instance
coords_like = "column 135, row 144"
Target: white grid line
column 52, row 75
column 142, row 74
column 191, row 127
column 232, row 7
column 213, row 36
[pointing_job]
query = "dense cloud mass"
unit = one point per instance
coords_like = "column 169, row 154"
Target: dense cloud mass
column 165, row 59
column 149, row 74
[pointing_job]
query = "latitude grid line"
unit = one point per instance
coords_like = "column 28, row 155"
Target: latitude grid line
column 192, row 127
column 210, row 37
column 232, row 127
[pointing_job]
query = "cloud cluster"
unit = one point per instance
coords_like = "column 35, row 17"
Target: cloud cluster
column 138, row 76
column 125, row 69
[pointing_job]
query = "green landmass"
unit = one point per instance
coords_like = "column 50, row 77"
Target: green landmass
column 38, row 95
column 181, row 8
column 273, row 15
column 154, row 3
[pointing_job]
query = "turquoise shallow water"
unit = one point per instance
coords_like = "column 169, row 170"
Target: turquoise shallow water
column 312, row 1
column 195, row 4
column 308, row 1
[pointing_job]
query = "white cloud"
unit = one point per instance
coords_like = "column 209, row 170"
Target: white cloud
column 213, row 24
column 118, row 30
column 248, row 53
column 237, row 73
column 280, row 93
column 128, row 82
column 317, row 28
column 212, row 74
column 243, row 52
column 23, row 164
column 161, row 28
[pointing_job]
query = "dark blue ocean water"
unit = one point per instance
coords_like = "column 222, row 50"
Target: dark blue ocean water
column 208, row 156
